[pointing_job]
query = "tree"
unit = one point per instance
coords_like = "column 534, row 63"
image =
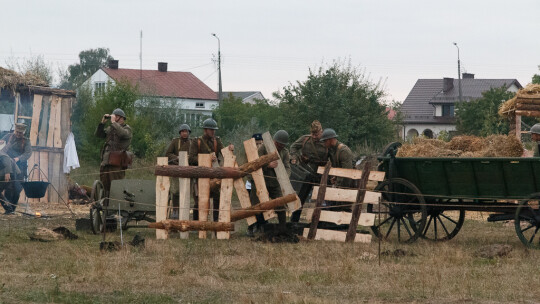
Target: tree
column 479, row 117
column 89, row 62
column 536, row 78
column 342, row 98
column 35, row 65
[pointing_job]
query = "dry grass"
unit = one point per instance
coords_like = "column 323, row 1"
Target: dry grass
column 243, row 271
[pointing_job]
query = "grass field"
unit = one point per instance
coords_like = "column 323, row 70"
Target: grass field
column 244, row 271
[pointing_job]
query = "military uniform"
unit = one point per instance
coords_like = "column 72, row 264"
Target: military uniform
column 13, row 188
column 18, row 148
column 310, row 154
column 205, row 145
column 177, row 144
column 117, row 138
column 341, row 157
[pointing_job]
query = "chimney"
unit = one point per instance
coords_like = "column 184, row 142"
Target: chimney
column 467, row 76
column 162, row 66
column 448, row 84
column 113, row 64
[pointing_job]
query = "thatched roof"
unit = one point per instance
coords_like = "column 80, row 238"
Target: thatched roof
column 529, row 94
column 11, row 80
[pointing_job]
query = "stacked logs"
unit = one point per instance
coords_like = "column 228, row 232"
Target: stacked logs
column 525, row 103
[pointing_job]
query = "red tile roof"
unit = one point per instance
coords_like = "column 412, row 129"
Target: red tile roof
column 164, row 84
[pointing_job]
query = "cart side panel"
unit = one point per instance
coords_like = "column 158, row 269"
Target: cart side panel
column 519, row 178
column 133, row 195
column 429, row 176
column 461, row 178
column 490, row 178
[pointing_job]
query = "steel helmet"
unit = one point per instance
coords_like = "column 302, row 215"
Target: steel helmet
column 119, row 112
column 209, row 124
column 184, row 127
column 535, row 129
column 282, row 137
column 327, row 134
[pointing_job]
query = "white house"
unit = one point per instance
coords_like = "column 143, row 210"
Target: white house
column 195, row 100
column 247, row 97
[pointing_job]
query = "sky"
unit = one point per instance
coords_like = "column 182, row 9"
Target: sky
column 266, row 45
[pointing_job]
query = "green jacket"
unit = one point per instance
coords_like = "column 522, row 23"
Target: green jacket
column 341, row 157
column 177, row 144
column 17, row 147
column 309, row 153
column 270, row 179
column 204, row 145
column 117, row 138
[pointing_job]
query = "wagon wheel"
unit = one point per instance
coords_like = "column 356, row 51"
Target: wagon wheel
column 442, row 225
column 97, row 191
column 527, row 221
column 403, row 211
column 96, row 218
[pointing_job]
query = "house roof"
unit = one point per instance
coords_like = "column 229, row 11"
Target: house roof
column 242, row 95
column 419, row 104
column 164, row 84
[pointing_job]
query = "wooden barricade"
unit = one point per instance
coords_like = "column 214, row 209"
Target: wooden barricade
column 356, row 197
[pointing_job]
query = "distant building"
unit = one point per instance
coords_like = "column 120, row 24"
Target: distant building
column 247, row 97
column 194, row 99
column 430, row 106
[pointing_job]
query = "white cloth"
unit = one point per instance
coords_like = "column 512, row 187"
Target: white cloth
column 248, row 185
column 71, row 160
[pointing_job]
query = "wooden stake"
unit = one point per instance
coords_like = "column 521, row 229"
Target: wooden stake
column 185, row 195
column 243, row 197
column 357, row 208
column 205, row 160
column 261, row 207
column 257, row 175
column 36, row 113
column 226, row 194
column 320, row 199
column 162, row 199
column 175, row 225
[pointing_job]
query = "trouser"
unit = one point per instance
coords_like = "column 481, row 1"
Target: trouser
column 214, row 195
column 107, row 174
column 303, row 194
column 12, row 191
column 273, row 193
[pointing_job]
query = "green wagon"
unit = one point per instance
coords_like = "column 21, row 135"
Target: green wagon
column 428, row 197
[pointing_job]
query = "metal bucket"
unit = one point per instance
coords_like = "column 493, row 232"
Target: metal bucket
column 35, row 189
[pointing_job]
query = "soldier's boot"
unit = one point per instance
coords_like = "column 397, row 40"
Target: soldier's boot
column 282, row 219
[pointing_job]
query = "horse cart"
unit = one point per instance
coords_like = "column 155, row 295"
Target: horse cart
column 428, row 197
column 131, row 199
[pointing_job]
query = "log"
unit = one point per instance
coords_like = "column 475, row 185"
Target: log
column 215, row 172
column 185, row 194
column 528, row 113
column 357, row 209
column 176, row 225
column 261, row 207
column 226, row 193
column 528, row 107
column 320, row 199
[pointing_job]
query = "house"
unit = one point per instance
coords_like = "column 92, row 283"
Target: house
column 247, row 97
column 195, row 100
column 430, row 106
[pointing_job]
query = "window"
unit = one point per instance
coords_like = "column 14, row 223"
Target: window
column 99, row 88
column 199, row 105
column 448, row 110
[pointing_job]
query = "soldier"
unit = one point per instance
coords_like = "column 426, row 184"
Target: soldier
column 18, row 147
column 535, row 136
column 208, row 143
column 10, row 177
column 114, row 156
column 177, row 144
column 308, row 153
column 258, row 142
column 340, row 155
column 281, row 139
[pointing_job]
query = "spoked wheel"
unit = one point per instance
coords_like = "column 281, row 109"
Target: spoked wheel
column 96, row 218
column 98, row 191
column 442, row 225
column 403, row 211
column 527, row 221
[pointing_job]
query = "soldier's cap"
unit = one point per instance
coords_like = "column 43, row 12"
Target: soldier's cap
column 316, row 126
column 257, row 136
column 20, row 127
column 535, row 129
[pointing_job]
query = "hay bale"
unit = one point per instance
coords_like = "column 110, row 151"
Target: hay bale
column 466, row 143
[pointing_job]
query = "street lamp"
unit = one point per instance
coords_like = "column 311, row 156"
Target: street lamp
column 458, row 71
column 219, row 67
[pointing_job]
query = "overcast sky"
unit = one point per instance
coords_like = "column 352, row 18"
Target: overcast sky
column 266, row 45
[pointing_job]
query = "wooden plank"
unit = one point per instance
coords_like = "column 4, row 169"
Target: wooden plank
column 243, row 196
column 185, row 193
column 62, row 178
column 54, row 164
column 44, row 166
column 367, row 219
column 258, row 177
column 52, row 121
column 33, row 160
column 162, row 199
column 43, row 129
column 347, row 195
column 357, row 208
column 342, row 217
column 321, row 195
column 339, row 236
column 17, row 101
column 65, row 117
column 205, row 160
column 281, row 173
column 226, row 194
column 57, row 139
column 353, row 173
column 36, row 112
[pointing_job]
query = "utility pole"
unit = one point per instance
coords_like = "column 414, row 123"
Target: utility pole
column 140, row 59
column 219, row 68
column 458, row 72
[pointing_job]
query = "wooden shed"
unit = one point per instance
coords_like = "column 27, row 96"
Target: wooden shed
column 47, row 113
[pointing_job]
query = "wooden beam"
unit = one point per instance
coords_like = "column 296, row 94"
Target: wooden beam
column 185, row 193
column 257, row 175
column 528, row 106
column 342, row 217
column 528, row 113
column 205, row 160
column 321, row 192
column 57, row 140
column 243, row 197
column 176, row 225
column 261, row 207
column 36, row 113
column 43, row 129
column 281, row 173
column 353, row 173
column 226, row 194
column 339, row 236
column 49, row 91
column 347, row 195
column 357, row 208
column 162, row 199
column 52, row 121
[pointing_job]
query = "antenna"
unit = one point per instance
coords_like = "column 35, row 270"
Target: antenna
column 140, row 58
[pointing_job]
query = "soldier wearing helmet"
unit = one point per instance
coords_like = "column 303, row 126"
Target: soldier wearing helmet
column 114, row 155
column 208, row 143
column 281, row 140
column 177, row 144
column 535, row 136
column 339, row 154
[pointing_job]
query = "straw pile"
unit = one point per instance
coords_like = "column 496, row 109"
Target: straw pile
column 10, row 80
column 525, row 103
column 464, row 146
